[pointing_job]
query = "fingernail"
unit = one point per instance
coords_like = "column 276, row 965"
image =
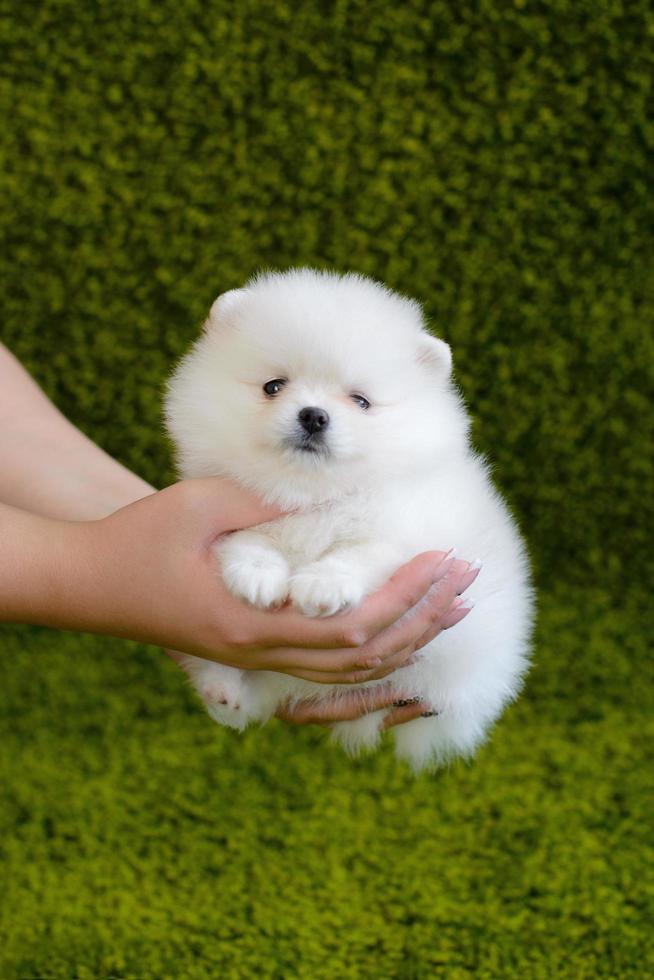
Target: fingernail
column 460, row 603
column 405, row 702
column 442, row 568
column 429, row 714
column 477, row 563
column 375, row 662
column 460, row 609
column 470, row 575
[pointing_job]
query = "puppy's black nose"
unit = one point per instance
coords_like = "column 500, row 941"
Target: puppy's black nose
column 313, row 419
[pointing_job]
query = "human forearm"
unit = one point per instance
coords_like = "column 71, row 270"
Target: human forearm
column 37, row 558
column 48, row 466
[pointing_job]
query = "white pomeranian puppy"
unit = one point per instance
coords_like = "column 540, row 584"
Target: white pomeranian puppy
column 325, row 394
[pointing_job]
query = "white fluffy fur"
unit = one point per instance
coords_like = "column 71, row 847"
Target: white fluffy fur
column 399, row 478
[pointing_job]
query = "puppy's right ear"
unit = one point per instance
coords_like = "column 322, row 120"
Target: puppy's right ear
column 223, row 307
column 436, row 355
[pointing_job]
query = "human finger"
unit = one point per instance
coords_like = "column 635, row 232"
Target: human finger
column 346, row 706
column 469, row 577
column 380, row 657
column 458, row 610
column 408, row 712
column 400, row 658
column 286, row 628
column 427, row 614
column 233, row 507
column 338, row 671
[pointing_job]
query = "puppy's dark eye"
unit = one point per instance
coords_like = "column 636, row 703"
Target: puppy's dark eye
column 273, row 387
column 360, row 400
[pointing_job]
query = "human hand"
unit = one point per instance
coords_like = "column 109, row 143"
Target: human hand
column 147, row 572
column 351, row 705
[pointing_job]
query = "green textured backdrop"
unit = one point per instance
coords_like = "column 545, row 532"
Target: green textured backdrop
column 495, row 161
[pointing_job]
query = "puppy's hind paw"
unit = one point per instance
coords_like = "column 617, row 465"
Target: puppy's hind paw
column 231, row 716
column 225, row 696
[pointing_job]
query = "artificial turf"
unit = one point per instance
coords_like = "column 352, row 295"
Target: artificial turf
column 493, row 160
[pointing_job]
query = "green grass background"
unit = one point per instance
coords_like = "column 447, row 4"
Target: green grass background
column 495, row 161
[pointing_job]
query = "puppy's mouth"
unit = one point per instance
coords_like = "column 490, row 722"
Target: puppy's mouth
column 311, row 445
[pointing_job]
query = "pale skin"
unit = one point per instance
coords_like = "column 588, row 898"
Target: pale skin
column 88, row 545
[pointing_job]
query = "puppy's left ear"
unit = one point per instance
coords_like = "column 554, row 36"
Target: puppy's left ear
column 436, row 355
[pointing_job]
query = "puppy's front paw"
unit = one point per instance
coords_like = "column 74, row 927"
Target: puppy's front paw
column 325, row 588
column 255, row 572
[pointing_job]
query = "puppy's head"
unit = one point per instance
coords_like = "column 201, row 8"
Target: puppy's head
column 306, row 385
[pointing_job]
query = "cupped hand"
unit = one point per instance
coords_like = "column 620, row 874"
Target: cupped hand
column 149, row 574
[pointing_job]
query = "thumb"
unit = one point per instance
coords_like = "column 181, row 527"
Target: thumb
column 236, row 508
